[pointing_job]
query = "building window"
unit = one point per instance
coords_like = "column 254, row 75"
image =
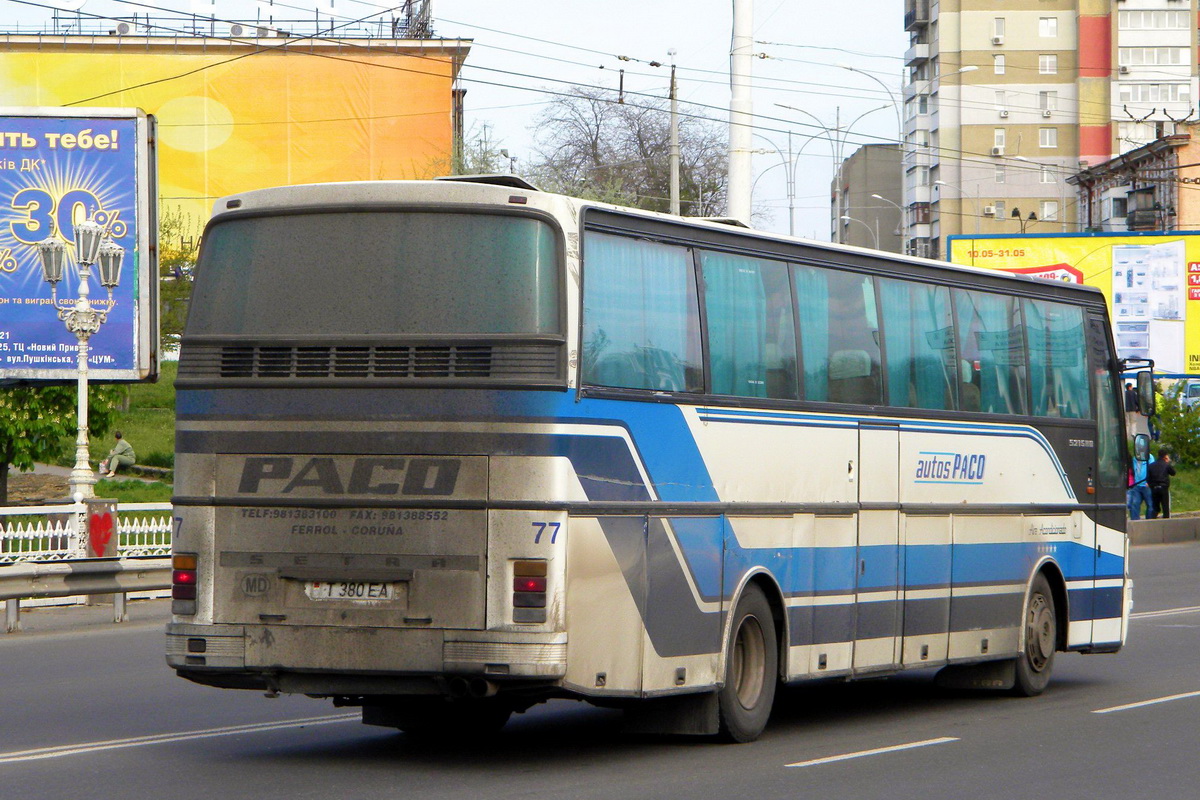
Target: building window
column 1151, row 56
column 1157, row 20
column 1048, row 64
column 1047, row 137
column 998, row 137
column 1000, row 100
column 998, row 65
column 1048, row 27
column 1049, row 210
column 999, row 206
column 1155, row 92
column 1001, row 173
column 1047, row 174
column 1048, row 101
column 998, row 27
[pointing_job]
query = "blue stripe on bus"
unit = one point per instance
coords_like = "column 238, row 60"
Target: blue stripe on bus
column 814, row 571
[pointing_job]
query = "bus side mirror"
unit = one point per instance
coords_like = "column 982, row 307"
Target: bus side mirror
column 1141, row 447
column 1145, row 391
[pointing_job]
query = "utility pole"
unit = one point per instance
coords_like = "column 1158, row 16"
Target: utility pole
column 674, row 139
column 741, row 116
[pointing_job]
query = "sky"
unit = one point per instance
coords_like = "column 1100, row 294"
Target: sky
column 524, row 52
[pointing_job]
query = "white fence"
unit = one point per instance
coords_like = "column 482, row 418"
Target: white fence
column 53, row 533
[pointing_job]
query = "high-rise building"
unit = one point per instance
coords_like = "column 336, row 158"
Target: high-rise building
column 866, row 198
column 1004, row 99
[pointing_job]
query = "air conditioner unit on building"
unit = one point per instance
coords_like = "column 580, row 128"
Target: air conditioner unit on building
column 1004, row 113
column 989, row 211
column 997, row 40
column 124, row 28
column 1124, row 70
column 997, row 151
column 1045, row 112
column 251, row 31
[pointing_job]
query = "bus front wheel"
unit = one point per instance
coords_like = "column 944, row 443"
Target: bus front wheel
column 751, row 667
column 1041, row 640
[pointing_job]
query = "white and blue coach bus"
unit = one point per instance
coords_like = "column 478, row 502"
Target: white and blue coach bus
column 447, row 449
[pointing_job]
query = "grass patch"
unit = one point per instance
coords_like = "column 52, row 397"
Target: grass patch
column 148, row 425
column 135, row 491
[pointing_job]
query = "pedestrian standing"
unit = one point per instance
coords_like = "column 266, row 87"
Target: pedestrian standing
column 1139, row 491
column 1131, row 409
column 1158, row 478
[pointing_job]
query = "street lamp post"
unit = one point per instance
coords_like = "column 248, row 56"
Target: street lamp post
column 961, row 193
column 83, row 321
column 836, row 144
column 873, row 233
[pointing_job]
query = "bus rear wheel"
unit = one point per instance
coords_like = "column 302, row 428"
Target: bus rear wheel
column 751, row 669
column 1041, row 640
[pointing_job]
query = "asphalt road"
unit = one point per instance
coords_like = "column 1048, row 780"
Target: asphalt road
column 89, row 710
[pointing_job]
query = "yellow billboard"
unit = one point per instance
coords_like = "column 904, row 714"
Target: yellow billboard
column 234, row 115
column 1151, row 282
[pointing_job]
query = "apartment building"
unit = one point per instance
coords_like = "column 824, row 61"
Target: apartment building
column 1005, row 99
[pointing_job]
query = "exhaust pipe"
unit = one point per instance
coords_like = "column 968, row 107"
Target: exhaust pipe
column 471, row 688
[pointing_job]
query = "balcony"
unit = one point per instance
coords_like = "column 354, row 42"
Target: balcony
column 916, row 13
column 1142, row 219
column 916, row 54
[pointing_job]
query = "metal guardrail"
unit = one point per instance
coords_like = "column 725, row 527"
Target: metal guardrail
column 42, row 549
column 71, row 578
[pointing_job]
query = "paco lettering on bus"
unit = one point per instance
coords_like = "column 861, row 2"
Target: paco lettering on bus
column 950, row 467
column 367, row 475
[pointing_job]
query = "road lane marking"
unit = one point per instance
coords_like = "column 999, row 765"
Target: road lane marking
column 1153, row 702
column 1166, row 612
column 164, row 738
column 875, row 752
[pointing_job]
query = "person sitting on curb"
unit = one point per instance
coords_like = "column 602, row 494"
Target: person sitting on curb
column 120, row 456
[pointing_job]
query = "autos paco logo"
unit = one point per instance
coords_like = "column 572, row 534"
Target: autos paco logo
column 957, row 468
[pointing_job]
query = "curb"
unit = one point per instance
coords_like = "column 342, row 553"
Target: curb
column 1164, row 531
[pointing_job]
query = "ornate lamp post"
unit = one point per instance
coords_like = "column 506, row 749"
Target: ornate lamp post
column 83, row 321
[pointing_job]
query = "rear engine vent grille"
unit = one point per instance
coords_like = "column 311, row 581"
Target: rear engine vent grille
column 506, row 362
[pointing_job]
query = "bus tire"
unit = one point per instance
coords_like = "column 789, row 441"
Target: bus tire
column 751, row 669
column 1036, row 660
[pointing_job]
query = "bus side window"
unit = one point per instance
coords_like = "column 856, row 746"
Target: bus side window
column 641, row 319
column 751, row 337
column 1058, row 381
column 918, row 330
column 992, row 352
column 839, row 335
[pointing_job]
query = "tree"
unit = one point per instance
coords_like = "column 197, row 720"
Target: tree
column 589, row 144
column 178, row 246
column 34, row 420
column 1179, row 425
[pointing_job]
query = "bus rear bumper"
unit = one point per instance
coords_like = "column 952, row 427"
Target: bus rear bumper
column 195, row 649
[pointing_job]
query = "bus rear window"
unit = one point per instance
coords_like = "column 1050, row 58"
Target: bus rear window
column 377, row 273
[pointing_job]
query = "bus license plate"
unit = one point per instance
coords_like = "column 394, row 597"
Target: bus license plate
column 365, row 591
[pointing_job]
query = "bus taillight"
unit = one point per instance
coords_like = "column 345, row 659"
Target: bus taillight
column 529, row 591
column 183, row 583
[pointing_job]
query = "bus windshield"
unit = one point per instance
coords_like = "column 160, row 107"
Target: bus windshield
column 377, row 273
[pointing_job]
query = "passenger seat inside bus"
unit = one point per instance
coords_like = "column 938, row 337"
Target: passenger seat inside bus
column 852, row 378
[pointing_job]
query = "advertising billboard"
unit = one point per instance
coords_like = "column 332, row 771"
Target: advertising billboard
column 59, row 167
column 1151, row 282
column 235, row 115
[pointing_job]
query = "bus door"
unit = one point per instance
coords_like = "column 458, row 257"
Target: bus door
column 879, row 580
